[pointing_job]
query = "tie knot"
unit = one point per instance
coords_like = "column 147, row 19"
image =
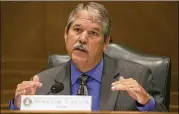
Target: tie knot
column 83, row 79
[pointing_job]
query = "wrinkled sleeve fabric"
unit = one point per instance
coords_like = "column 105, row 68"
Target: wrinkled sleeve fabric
column 150, row 106
column 12, row 106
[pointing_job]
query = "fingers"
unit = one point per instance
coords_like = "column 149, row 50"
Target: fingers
column 20, row 93
column 125, row 84
column 30, row 83
column 122, row 80
column 23, row 87
column 133, row 88
column 36, row 78
column 26, row 88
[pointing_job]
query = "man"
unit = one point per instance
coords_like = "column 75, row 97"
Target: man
column 113, row 84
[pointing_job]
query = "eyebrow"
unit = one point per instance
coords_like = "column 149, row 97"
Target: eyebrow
column 96, row 29
column 79, row 25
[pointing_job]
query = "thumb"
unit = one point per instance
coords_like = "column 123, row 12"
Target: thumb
column 36, row 78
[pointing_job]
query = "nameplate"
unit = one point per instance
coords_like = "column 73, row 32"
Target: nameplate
column 56, row 102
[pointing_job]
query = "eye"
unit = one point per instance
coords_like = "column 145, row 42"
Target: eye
column 77, row 29
column 93, row 33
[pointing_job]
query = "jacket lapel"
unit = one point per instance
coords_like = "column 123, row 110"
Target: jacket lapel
column 110, row 74
column 64, row 77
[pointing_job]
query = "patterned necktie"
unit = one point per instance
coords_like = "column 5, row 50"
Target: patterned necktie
column 83, row 87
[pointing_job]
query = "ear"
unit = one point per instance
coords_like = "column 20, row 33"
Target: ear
column 106, row 43
column 65, row 34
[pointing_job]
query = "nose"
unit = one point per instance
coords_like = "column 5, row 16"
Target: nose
column 83, row 37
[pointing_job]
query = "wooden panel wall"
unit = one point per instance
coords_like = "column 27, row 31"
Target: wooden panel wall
column 30, row 31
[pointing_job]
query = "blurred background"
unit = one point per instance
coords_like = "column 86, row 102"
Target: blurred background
column 30, row 31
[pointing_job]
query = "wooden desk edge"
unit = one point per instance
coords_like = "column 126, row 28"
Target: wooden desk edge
column 84, row 112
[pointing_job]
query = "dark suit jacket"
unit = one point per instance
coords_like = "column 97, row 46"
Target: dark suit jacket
column 109, row 100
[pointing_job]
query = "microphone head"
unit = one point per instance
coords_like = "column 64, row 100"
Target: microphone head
column 56, row 88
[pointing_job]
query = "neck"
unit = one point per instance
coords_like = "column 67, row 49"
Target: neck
column 87, row 66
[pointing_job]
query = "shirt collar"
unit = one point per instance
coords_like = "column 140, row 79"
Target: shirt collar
column 95, row 73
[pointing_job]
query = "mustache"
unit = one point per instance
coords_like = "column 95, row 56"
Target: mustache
column 80, row 46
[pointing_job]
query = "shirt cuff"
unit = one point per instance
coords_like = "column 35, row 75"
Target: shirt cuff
column 12, row 106
column 150, row 106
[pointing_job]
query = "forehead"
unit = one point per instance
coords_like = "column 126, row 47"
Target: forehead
column 86, row 19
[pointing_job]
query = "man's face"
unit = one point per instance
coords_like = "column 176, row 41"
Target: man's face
column 85, row 39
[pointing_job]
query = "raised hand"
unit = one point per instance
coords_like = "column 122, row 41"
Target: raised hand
column 26, row 88
column 134, row 89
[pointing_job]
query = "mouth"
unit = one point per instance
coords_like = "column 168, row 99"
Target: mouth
column 80, row 49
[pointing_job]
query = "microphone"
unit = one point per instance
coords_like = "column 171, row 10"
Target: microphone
column 56, row 88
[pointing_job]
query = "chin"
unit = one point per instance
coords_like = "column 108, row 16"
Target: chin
column 79, row 59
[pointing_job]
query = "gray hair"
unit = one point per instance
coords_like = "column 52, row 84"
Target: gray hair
column 97, row 11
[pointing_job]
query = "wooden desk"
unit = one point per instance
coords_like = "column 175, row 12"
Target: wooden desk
column 81, row 112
